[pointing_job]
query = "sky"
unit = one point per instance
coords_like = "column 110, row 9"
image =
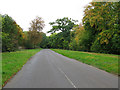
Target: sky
column 23, row 11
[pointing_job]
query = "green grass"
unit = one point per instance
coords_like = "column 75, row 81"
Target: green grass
column 12, row 62
column 107, row 62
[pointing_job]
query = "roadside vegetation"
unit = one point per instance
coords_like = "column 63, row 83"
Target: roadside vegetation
column 12, row 62
column 99, row 32
column 14, row 38
column 107, row 62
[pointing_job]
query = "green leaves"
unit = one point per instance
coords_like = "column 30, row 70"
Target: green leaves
column 101, row 18
column 11, row 34
column 62, row 39
column 64, row 24
column 100, row 15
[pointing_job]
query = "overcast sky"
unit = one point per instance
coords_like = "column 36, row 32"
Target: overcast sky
column 23, row 11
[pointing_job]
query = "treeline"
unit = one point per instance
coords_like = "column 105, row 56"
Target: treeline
column 99, row 31
column 13, row 37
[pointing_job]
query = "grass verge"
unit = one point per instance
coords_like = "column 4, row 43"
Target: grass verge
column 12, row 62
column 107, row 62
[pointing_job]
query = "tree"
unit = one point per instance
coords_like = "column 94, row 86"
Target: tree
column 44, row 42
column 101, row 18
column 100, row 15
column 63, row 25
column 107, row 41
column 37, row 24
column 0, row 33
column 81, row 38
column 21, row 35
column 53, row 43
column 26, row 41
column 11, row 34
column 34, row 34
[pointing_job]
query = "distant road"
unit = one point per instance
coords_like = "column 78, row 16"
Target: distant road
column 48, row 69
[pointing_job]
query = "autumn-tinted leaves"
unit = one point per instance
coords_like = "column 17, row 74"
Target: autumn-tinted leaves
column 13, row 36
column 98, row 32
column 34, row 36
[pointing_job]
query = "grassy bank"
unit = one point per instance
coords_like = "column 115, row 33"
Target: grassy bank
column 12, row 62
column 107, row 62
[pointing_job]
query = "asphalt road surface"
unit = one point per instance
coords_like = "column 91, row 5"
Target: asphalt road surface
column 48, row 69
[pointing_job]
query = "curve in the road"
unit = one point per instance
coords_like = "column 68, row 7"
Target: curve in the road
column 48, row 69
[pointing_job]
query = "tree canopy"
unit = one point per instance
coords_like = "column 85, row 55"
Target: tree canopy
column 12, row 34
column 34, row 34
column 65, row 25
column 98, row 32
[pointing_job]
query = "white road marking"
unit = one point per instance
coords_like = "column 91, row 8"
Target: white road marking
column 67, row 78
column 64, row 75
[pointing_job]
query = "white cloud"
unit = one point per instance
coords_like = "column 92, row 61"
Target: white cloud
column 23, row 11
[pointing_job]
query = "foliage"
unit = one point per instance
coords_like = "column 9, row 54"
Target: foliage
column 63, row 25
column 53, row 41
column 0, row 41
column 100, row 15
column 101, row 19
column 5, row 41
column 44, row 42
column 85, row 41
column 98, row 32
column 37, row 24
column 11, row 34
column 107, row 41
column 34, row 35
column 81, row 38
column 73, row 45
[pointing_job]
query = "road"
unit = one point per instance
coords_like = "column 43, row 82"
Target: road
column 48, row 69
